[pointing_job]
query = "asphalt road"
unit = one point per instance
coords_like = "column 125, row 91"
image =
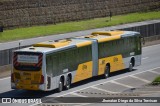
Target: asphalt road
column 119, row 82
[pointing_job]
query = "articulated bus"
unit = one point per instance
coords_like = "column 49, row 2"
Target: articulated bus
column 57, row 64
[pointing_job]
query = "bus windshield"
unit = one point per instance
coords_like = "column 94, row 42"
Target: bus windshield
column 27, row 61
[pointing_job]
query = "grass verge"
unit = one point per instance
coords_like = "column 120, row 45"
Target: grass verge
column 36, row 31
column 156, row 81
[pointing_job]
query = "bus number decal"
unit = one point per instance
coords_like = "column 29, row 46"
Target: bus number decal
column 115, row 59
column 84, row 67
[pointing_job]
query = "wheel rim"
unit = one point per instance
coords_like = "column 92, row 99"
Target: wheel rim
column 60, row 86
column 130, row 67
column 106, row 72
column 68, row 83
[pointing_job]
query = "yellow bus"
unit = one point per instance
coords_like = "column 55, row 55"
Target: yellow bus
column 57, row 64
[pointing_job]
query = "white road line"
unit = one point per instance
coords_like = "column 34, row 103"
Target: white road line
column 101, row 83
column 121, row 84
column 4, row 78
column 144, row 80
column 106, row 82
column 76, row 94
column 145, row 58
column 103, row 90
column 154, row 72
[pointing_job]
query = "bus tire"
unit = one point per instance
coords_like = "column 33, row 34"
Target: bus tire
column 107, row 71
column 130, row 67
column 68, row 83
column 60, row 88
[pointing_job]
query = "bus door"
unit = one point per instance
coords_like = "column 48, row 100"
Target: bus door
column 95, row 57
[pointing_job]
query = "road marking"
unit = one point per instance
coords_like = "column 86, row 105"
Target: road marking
column 4, row 78
column 101, row 83
column 144, row 80
column 76, row 94
column 106, row 82
column 103, row 90
column 145, row 58
column 154, row 72
column 121, row 84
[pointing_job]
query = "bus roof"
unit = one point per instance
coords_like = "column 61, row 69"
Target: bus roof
column 102, row 36
column 58, row 45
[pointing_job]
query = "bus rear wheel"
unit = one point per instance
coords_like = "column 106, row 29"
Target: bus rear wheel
column 60, row 88
column 68, row 83
column 107, row 71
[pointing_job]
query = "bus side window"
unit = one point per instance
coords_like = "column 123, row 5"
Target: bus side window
column 55, row 65
column 71, row 60
column 49, row 65
column 62, row 61
column 101, row 49
column 109, row 48
column 89, row 53
column 113, row 47
column 105, row 47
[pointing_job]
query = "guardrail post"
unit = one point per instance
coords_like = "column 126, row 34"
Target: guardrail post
column 1, row 28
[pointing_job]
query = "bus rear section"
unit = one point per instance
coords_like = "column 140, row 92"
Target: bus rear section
column 27, row 71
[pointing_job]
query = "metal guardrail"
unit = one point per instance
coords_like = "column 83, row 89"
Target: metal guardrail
column 145, row 30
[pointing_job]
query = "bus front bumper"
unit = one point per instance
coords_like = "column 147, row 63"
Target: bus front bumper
column 27, row 87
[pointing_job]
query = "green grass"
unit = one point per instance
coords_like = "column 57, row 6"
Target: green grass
column 35, row 31
column 157, row 79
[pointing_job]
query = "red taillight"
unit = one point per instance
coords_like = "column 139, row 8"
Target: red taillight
column 42, row 79
column 12, row 77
